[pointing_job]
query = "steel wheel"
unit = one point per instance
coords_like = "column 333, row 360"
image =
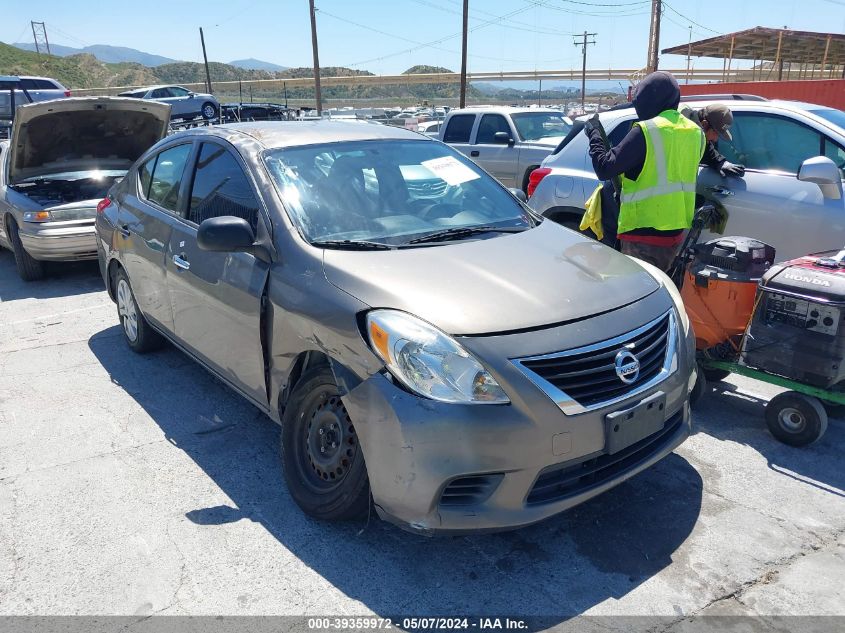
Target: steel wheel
column 126, row 310
column 322, row 456
column 792, row 420
column 330, row 441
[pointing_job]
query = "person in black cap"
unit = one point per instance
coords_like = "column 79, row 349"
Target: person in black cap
column 715, row 120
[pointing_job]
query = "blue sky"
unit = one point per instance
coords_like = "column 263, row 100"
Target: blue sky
column 385, row 36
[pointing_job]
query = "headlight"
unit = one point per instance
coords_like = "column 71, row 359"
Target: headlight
column 429, row 362
column 37, row 216
column 663, row 279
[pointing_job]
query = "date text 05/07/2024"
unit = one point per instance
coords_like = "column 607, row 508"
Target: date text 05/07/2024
column 416, row 624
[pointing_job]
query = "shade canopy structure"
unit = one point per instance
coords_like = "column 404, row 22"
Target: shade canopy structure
column 776, row 53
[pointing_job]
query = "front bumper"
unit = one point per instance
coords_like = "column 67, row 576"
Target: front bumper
column 60, row 241
column 419, row 452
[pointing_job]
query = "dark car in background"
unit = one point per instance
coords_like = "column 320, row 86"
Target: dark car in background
column 237, row 112
column 396, row 337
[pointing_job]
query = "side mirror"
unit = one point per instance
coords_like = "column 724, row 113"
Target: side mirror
column 519, row 194
column 824, row 172
column 502, row 138
column 226, row 234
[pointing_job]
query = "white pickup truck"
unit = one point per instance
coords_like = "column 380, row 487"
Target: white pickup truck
column 507, row 142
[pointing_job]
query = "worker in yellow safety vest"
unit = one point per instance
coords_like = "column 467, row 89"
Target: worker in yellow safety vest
column 658, row 164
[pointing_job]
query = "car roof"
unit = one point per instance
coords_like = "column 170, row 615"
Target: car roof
column 273, row 134
column 500, row 109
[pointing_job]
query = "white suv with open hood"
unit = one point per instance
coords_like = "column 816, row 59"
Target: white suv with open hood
column 62, row 158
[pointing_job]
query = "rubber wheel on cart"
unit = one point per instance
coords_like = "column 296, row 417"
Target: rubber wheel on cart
column 716, row 375
column 137, row 333
column 323, row 462
column 29, row 268
column 796, row 419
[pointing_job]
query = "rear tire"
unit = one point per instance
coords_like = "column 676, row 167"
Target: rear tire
column 796, row 419
column 29, row 268
column 699, row 388
column 323, row 462
column 137, row 333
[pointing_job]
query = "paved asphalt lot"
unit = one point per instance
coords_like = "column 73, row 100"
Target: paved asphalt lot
column 140, row 485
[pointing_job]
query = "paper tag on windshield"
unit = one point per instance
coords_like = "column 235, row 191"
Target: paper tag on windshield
column 450, row 169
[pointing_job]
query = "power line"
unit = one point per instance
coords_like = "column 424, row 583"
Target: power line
column 451, row 37
column 679, row 14
column 512, row 24
column 625, row 12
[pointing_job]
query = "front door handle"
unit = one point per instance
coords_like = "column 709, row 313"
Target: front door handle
column 474, row 153
column 720, row 191
column 184, row 264
column 124, row 230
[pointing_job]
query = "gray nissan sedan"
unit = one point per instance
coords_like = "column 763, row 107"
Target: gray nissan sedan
column 428, row 344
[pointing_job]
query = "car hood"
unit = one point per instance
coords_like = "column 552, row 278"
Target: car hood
column 542, row 276
column 83, row 133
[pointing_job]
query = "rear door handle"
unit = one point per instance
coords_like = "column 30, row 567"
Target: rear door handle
column 184, row 264
column 124, row 230
column 720, row 191
column 474, row 153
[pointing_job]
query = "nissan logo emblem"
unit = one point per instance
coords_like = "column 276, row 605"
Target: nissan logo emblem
column 627, row 366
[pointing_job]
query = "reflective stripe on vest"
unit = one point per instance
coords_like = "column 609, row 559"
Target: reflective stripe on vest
column 663, row 185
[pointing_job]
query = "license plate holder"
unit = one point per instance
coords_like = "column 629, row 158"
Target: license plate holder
column 629, row 426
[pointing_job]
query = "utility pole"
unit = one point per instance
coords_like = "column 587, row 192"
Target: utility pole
column 540, row 93
column 689, row 51
column 205, row 61
column 39, row 34
column 463, row 100
column 654, row 36
column 317, row 90
column 583, row 44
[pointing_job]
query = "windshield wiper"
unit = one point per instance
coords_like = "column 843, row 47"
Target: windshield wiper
column 358, row 245
column 458, row 232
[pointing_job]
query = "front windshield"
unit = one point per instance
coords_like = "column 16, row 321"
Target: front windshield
column 387, row 192
column 837, row 117
column 532, row 126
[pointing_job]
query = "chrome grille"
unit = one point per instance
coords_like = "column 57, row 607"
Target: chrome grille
column 586, row 378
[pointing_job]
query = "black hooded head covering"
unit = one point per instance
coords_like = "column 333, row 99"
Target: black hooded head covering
column 657, row 92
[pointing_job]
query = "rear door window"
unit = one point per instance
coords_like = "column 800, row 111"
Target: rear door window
column 221, row 188
column 167, row 177
column 620, row 132
column 28, row 84
column 459, row 128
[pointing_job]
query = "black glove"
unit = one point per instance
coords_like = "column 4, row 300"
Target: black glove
column 591, row 124
column 730, row 169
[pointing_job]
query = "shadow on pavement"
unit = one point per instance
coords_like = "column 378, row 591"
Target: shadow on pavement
column 556, row 569
column 728, row 413
column 63, row 279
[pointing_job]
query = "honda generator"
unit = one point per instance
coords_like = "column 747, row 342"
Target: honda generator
column 797, row 330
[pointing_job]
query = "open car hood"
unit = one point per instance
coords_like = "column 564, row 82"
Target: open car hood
column 543, row 276
column 83, row 133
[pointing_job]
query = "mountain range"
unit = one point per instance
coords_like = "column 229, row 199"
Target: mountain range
column 122, row 54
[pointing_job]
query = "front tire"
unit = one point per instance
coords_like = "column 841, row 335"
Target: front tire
column 323, row 462
column 29, row 268
column 208, row 111
column 137, row 333
column 796, row 419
